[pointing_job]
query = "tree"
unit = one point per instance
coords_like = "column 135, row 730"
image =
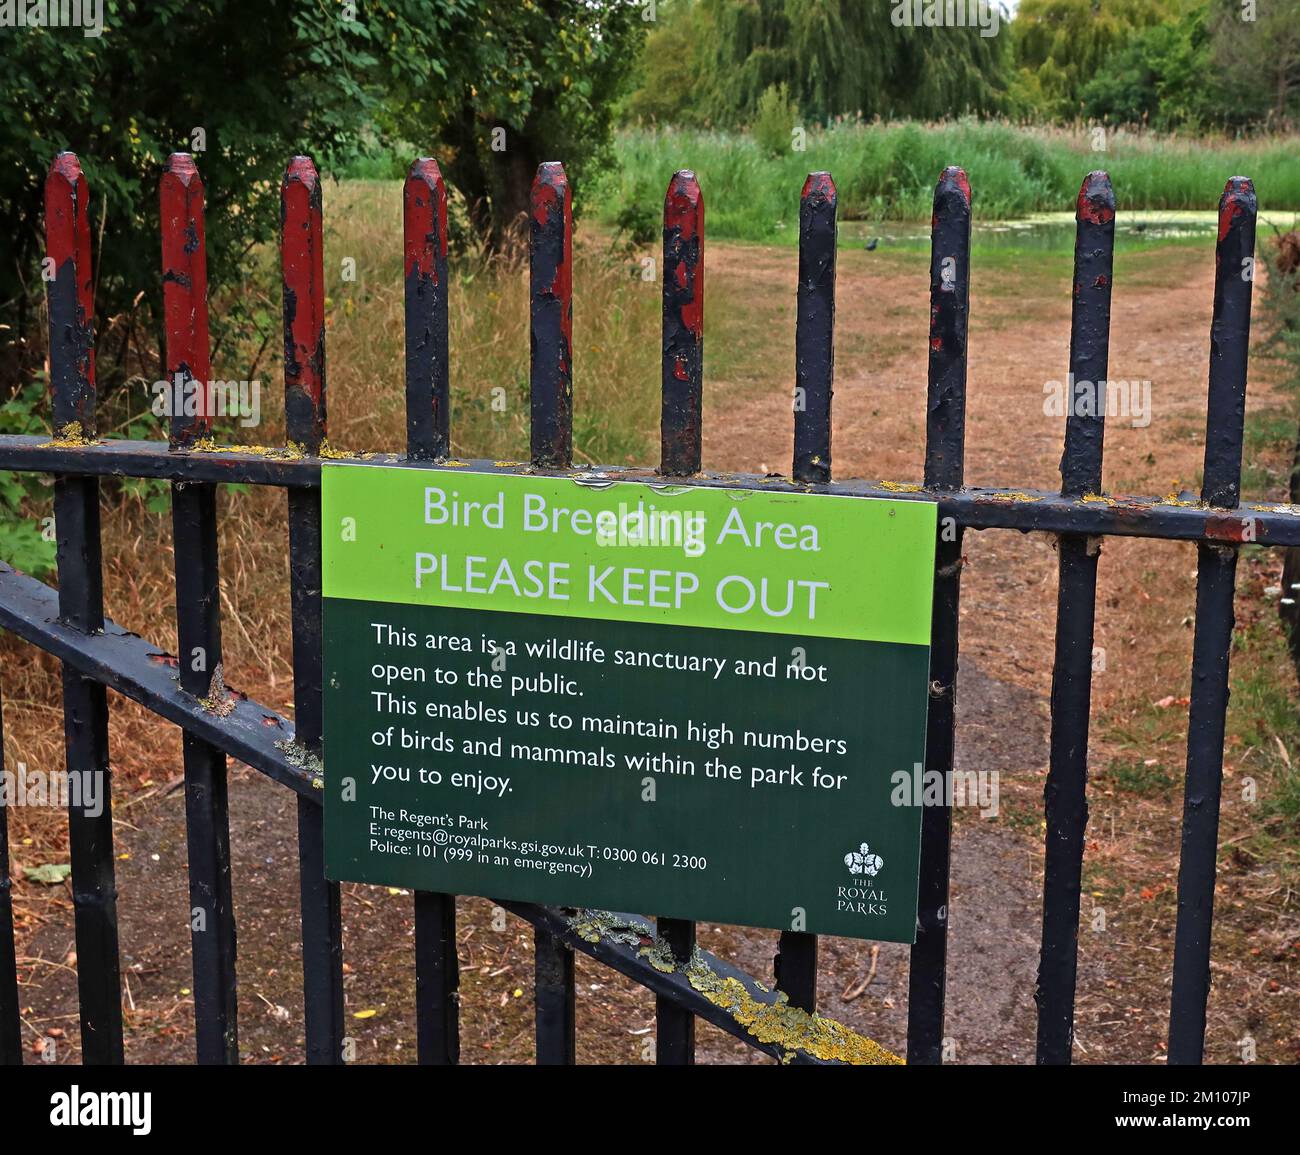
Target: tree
column 1159, row 78
column 1256, row 51
column 1062, row 45
column 842, row 57
column 242, row 83
column 246, row 84
column 669, row 82
column 538, row 80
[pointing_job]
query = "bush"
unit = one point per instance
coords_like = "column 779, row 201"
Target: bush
column 775, row 120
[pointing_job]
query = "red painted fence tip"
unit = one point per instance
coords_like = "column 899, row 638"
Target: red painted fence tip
column 1238, row 199
column 181, row 164
column 684, row 205
column 1096, row 203
column 953, row 179
column 550, row 188
column 425, row 169
column 818, row 184
column 303, row 169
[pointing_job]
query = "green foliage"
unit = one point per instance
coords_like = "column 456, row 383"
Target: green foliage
column 536, row 80
column 24, row 496
column 1265, row 722
column 245, row 84
column 888, row 172
column 846, row 57
column 1256, row 63
column 1158, row 79
column 1064, row 44
column 669, row 80
column 775, row 119
column 1281, row 290
column 250, row 82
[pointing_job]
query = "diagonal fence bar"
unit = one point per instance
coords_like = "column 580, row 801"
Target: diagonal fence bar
column 1216, row 573
column 81, row 605
column 1065, row 794
column 945, row 438
column 302, row 262
column 198, row 612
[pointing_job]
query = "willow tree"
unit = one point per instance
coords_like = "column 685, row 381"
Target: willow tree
column 848, row 56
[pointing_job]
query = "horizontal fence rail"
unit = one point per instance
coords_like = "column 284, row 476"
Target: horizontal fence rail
column 218, row 723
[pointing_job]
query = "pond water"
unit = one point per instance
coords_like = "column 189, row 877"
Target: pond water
column 1054, row 232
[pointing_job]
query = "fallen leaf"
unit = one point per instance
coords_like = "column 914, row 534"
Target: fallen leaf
column 51, row 874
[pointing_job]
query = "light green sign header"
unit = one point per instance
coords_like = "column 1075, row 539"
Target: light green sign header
column 786, row 563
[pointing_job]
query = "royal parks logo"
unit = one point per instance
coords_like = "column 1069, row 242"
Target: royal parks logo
column 862, row 895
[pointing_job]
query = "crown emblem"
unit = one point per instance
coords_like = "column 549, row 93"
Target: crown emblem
column 862, row 862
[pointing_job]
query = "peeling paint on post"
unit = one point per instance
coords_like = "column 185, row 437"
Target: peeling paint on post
column 550, row 251
column 1229, row 344
column 81, row 608
column 1094, row 250
column 814, row 356
column 424, row 218
column 302, row 256
column 945, row 435
column 71, row 297
column 1065, row 799
column 683, row 335
column 1216, row 575
column 185, row 298
column 949, row 310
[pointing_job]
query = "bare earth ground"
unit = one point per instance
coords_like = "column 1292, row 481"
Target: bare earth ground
column 1020, row 321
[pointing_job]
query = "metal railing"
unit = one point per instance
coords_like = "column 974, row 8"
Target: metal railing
column 96, row 654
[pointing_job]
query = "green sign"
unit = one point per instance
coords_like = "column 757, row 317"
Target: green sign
column 677, row 700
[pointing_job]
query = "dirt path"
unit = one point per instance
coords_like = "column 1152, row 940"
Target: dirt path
column 1019, row 340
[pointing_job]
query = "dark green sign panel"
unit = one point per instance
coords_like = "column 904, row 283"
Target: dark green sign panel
column 683, row 701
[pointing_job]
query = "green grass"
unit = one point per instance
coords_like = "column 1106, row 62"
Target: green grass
column 1264, row 724
column 1268, row 446
column 888, row 172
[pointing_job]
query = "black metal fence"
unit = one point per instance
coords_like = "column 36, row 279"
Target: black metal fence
column 96, row 654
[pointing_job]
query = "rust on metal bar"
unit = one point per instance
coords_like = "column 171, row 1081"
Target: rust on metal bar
column 683, row 327
column 185, row 301
column 424, row 230
column 303, row 274
column 550, row 250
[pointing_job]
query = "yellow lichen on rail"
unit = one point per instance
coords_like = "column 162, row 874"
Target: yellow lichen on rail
column 1007, row 496
column 899, row 487
column 291, row 452
column 70, row 436
column 787, row 1027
